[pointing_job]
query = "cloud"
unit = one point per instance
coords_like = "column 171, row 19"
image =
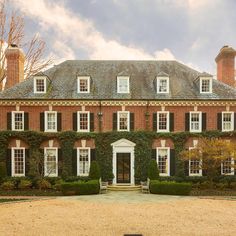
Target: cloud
column 81, row 34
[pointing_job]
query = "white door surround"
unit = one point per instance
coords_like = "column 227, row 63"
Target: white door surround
column 123, row 146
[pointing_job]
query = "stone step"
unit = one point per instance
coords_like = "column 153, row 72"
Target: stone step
column 124, row 187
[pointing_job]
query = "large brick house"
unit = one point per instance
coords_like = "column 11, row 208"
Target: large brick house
column 122, row 96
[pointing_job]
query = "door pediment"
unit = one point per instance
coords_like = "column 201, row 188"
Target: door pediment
column 123, row 143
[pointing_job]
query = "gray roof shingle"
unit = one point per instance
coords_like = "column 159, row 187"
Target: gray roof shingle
column 103, row 75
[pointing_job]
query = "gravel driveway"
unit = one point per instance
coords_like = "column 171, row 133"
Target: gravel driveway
column 119, row 213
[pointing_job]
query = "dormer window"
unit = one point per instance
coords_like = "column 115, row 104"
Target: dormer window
column 162, row 84
column 83, row 84
column 206, row 85
column 123, row 84
column 40, row 85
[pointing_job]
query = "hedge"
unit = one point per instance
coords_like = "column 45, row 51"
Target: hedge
column 170, row 187
column 80, row 187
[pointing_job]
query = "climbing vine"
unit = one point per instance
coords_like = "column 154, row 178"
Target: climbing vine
column 103, row 141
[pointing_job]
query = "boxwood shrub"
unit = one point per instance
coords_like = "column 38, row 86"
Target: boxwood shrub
column 170, row 187
column 80, row 187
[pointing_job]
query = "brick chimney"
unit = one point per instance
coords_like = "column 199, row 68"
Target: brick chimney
column 15, row 66
column 225, row 65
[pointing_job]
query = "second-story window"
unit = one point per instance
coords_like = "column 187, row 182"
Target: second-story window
column 51, row 121
column 195, row 122
column 162, row 84
column 18, row 120
column 123, row 84
column 83, row 84
column 40, row 85
column 83, row 121
column 227, row 121
column 123, row 121
column 163, row 121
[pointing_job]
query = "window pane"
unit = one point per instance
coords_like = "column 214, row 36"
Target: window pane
column 40, row 85
column 19, row 162
column 194, row 166
column 51, row 162
column 227, row 166
column 162, row 125
column 51, row 121
column 83, row 121
column 195, row 121
column 163, row 161
column 163, row 85
column 123, row 85
column 83, row 83
column 18, row 122
column 227, row 121
column 205, row 85
column 83, row 161
column 123, row 121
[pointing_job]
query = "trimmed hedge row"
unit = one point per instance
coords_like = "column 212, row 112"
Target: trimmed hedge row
column 80, row 187
column 170, row 187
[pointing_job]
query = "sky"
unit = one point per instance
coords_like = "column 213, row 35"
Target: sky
column 189, row 31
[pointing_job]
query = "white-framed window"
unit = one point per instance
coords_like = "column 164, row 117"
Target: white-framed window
column 163, row 160
column 195, row 166
column 51, row 162
column 227, row 166
column 83, row 161
column 162, row 84
column 123, row 120
column 83, row 84
column 17, row 120
column 163, row 121
column 50, row 121
column 18, row 161
column 205, row 85
column 195, row 121
column 39, row 84
column 227, row 121
column 83, row 121
column 122, row 84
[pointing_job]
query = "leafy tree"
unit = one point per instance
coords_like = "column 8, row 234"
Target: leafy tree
column 153, row 171
column 211, row 154
column 94, row 171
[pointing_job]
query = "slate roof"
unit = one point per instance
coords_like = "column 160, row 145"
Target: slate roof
column 63, row 82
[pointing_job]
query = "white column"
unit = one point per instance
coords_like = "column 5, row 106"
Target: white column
column 114, row 166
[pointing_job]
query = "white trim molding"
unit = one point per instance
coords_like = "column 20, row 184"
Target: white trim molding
column 231, row 122
column 45, row 166
column 78, row 121
column 46, row 113
column 168, row 159
column 13, row 120
column 200, row 121
column 167, row 121
column 87, row 78
column 44, row 84
column 78, row 162
column 118, row 120
column 123, row 146
column 127, row 85
column 162, row 78
column 13, row 161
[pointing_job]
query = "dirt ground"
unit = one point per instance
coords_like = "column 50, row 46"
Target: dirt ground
column 74, row 216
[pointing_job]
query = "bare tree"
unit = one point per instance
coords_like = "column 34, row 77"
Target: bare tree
column 12, row 32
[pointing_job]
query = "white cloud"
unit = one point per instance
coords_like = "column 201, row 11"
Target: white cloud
column 81, row 34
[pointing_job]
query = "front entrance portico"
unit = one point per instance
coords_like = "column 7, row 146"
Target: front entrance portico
column 123, row 162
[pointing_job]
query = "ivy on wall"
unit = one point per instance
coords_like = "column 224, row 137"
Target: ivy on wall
column 103, row 141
